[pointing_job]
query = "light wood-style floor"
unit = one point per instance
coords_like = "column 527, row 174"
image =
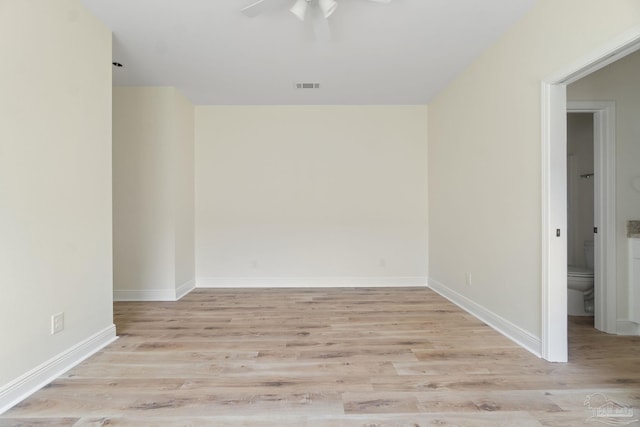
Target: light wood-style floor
column 329, row 357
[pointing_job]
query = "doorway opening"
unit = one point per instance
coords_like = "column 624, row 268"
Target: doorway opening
column 554, row 204
column 580, row 215
column 593, row 225
column 591, row 201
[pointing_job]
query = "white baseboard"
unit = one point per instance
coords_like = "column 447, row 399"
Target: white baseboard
column 144, row 295
column 185, row 288
column 154, row 294
column 27, row 384
column 627, row 327
column 308, row 282
column 506, row 328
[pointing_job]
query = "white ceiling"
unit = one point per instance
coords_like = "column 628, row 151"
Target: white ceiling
column 403, row 52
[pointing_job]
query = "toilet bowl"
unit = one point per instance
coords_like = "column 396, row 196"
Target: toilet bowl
column 579, row 278
column 580, row 285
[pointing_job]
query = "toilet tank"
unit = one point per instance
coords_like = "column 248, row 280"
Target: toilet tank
column 588, row 253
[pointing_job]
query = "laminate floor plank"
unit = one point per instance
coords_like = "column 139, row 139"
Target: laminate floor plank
column 330, row 358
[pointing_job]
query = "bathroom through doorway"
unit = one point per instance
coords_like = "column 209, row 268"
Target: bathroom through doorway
column 591, row 208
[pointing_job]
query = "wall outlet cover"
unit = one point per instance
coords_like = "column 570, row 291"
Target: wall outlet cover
column 57, row 323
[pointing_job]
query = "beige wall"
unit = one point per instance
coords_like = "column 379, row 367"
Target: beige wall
column 485, row 156
column 619, row 82
column 183, row 157
column 152, row 192
column 325, row 195
column 55, row 180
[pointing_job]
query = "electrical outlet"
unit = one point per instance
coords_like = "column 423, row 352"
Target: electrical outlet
column 57, row 323
column 468, row 278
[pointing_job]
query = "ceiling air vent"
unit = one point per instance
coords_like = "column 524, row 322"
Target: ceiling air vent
column 307, row 85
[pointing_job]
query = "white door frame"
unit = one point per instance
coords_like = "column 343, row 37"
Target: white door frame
column 554, row 190
column 604, row 186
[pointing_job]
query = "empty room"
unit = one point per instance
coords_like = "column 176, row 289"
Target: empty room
column 319, row 212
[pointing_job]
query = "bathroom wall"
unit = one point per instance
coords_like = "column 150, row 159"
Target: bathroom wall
column 619, row 82
column 579, row 188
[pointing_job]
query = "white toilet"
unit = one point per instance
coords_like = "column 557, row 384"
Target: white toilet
column 580, row 285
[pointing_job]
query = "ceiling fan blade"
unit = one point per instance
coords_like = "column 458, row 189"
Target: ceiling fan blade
column 255, row 9
column 299, row 9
